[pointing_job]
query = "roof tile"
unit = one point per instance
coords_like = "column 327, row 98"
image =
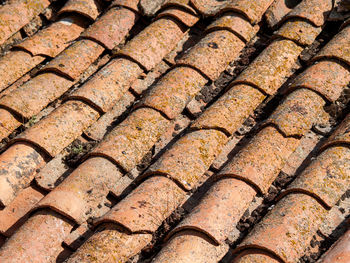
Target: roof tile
column 220, row 210
column 150, row 7
column 213, row 53
column 338, row 47
column 60, row 128
column 340, row 136
column 179, row 14
column 299, row 31
column 73, row 61
column 181, row 83
column 230, row 110
column 288, row 227
column 22, row 159
column 98, row 129
column 111, row 28
column 34, row 95
column 87, row 8
column 325, row 77
column 143, row 82
column 340, row 252
column 188, row 159
column 18, row 208
column 253, row 10
column 250, row 163
column 78, row 236
column 298, row 113
column 8, row 123
column 272, row 67
column 144, row 209
column 48, row 177
column 39, row 239
column 110, row 244
column 108, row 85
column 315, row 11
column 161, row 37
column 16, row 14
column 255, row 257
column 277, row 10
column 327, row 177
column 15, row 64
column 129, row 141
column 82, row 191
column 55, row 38
column 236, row 24
column 130, row 4
column 184, row 4
column 189, row 247
column 206, row 7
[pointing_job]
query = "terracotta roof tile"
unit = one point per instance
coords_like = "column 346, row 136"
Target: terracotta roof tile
column 340, row 252
column 325, row 77
column 340, row 136
column 327, row 177
column 236, row 24
column 231, row 109
column 315, row 11
column 157, row 132
column 337, row 48
column 129, row 141
column 16, row 14
column 43, row 246
column 88, row 8
column 143, row 82
column 150, row 7
column 250, row 163
column 298, row 113
column 8, row 123
column 213, row 53
column 34, row 95
column 273, row 66
column 299, row 31
column 60, row 128
column 255, row 257
column 189, row 247
column 190, row 157
column 82, row 190
column 287, row 228
column 77, row 236
column 253, row 10
column 98, row 129
column 131, row 4
column 109, row 244
column 15, row 64
column 48, row 175
column 161, row 36
column 108, row 84
column 55, row 38
column 181, row 83
column 73, row 61
column 179, row 14
column 146, row 207
column 219, row 210
column 18, row 208
column 277, row 10
column 112, row 27
column 20, row 158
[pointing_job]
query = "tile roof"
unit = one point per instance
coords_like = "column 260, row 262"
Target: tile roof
column 109, row 84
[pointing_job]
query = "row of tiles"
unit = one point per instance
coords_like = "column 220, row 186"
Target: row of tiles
column 167, row 115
